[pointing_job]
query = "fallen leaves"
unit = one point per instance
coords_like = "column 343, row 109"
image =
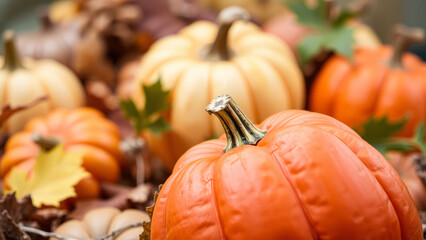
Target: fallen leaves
column 7, row 110
column 12, row 212
column 55, row 174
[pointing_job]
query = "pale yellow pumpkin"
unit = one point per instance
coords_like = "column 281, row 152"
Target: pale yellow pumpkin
column 99, row 222
column 256, row 68
column 261, row 10
column 22, row 81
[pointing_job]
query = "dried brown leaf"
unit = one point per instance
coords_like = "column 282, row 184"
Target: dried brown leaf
column 17, row 209
column 9, row 229
column 7, row 111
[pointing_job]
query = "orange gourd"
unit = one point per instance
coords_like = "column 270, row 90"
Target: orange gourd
column 83, row 130
column 379, row 82
column 304, row 176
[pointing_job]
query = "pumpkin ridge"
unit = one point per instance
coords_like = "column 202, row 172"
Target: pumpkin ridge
column 286, row 175
column 332, row 135
column 343, row 81
column 45, row 90
column 280, row 49
column 67, row 84
column 210, row 96
column 156, row 68
column 216, row 207
column 5, row 94
column 284, row 81
column 250, row 90
column 381, row 182
column 383, row 82
column 362, row 147
column 174, row 179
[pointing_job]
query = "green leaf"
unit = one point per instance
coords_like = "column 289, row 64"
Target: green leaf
column 311, row 17
column 379, row 129
column 149, row 117
column 331, row 34
column 419, row 138
column 158, row 126
column 156, row 98
column 344, row 17
column 309, row 47
column 380, row 134
column 340, row 40
column 131, row 112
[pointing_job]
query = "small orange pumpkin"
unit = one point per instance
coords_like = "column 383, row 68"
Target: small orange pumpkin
column 83, row 130
column 308, row 177
column 379, row 82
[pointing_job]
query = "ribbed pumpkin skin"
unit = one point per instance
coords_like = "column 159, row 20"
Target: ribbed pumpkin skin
column 263, row 77
column 83, row 130
column 310, row 177
column 36, row 79
column 353, row 93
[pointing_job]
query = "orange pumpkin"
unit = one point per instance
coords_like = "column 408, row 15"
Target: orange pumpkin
column 83, row 130
column 379, row 82
column 308, row 177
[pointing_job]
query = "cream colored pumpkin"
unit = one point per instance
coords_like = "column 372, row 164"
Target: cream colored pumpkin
column 101, row 221
column 260, row 9
column 256, row 68
column 26, row 80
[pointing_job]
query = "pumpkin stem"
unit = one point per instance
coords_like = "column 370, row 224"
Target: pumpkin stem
column 45, row 143
column 329, row 7
column 219, row 49
column 404, row 37
column 11, row 56
column 46, row 22
column 238, row 128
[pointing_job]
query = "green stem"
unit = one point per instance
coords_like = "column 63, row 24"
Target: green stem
column 404, row 37
column 11, row 56
column 238, row 128
column 219, row 50
column 45, row 143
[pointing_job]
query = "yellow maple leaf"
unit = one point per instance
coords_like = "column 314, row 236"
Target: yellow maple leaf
column 56, row 172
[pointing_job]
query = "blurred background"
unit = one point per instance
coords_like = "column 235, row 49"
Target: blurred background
column 21, row 15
